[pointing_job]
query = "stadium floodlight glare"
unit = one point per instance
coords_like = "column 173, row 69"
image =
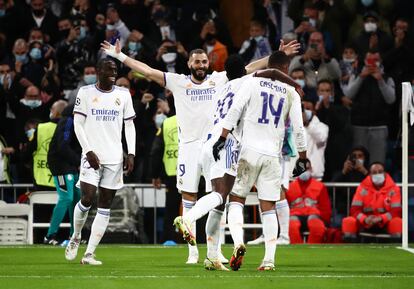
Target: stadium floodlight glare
column 407, row 107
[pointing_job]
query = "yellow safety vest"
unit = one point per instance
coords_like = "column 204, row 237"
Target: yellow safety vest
column 170, row 134
column 41, row 172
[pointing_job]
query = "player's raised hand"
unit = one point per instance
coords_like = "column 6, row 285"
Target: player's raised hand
column 113, row 50
column 93, row 160
column 217, row 147
column 290, row 48
column 129, row 164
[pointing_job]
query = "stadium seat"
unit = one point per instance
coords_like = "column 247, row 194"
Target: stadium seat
column 13, row 227
column 45, row 198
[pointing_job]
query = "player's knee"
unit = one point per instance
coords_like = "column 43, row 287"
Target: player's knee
column 189, row 196
column 86, row 201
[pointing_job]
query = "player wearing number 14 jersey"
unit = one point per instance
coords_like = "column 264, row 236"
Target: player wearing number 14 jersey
column 264, row 106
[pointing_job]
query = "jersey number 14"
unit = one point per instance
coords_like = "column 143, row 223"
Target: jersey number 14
column 268, row 103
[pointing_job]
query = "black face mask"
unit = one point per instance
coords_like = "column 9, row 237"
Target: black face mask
column 64, row 33
column 210, row 37
column 38, row 12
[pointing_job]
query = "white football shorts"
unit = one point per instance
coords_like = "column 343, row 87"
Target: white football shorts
column 189, row 167
column 227, row 164
column 262, row 170
column 109, row 176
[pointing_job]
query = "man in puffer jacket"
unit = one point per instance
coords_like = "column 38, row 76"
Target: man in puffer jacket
column 376, row 206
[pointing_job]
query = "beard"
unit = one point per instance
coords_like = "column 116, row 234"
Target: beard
column 196, row 74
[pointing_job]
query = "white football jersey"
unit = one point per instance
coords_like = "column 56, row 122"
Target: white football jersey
column 105, row 113
column 267, row 104
column 226, row 98
column 194, row 103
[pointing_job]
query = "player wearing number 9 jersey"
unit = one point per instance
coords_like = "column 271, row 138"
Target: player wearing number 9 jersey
column 264, row 106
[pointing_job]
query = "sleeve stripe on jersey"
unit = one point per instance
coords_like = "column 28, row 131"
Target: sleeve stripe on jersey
column 165, row 79
column 81, row 113
column 131, row 117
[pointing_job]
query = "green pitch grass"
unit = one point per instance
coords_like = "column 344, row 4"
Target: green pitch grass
column 346, row 266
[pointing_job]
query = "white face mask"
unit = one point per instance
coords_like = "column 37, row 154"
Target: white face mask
column 370, row 27
column 258, row 38
column 312, row 22
column 32, row 103
column 301, row 82
column 29, row 133
column 360, row 161
column 305, row 176
column 378, row 179
column 159, row 119
column 169, row 57
column 348, row 60
column 308, row 114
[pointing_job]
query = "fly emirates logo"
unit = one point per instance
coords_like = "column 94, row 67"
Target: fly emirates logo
column 105, row 114
column 205, row 94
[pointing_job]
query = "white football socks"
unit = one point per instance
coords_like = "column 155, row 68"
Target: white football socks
column 98, row 229
column 283, row 214
column 187, row 206
column 80, row 214
column 203, row 206
column 213, row 233
column 270, row 228
column 235, row 221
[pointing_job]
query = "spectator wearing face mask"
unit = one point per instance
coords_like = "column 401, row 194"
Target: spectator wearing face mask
column 298, row 74
column 89, row 77
column 257, row 46
column 172, row 57
column 36, row 68
column 316, row 62
column 310, row 208
column 376, row 206
column 37, row 15
column 372, row 92
column 348, row 64
column 72, row 53
column 372, row 37
column 38, row 147
column 337, row 117
column 317, row 136
column 138, row 46
column 355, row 167
column 216, row 51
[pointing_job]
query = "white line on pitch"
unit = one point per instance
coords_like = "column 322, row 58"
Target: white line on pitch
column 204, row 276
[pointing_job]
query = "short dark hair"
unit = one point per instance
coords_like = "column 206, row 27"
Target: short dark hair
column 377, row 163
column 298, row 69
column 326, row 80
column 103, row 62
column 277, row 59
column 197, row 51
column 234, row 66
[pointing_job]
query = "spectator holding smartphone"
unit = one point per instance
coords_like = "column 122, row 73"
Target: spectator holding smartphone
column 372, row 92
column 316, row 63
column 355, row 167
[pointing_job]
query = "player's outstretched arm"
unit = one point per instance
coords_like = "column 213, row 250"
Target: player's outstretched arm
column 149, row 72
column 290, row 49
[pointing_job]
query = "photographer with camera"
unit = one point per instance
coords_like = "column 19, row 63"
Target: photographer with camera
column 372, row 92
column 172, row 57
column 315, row 61
column 355, row 167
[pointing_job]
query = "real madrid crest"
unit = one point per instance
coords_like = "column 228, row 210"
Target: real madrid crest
column 117, row 101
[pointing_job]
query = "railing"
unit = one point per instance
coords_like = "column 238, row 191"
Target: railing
column 151, row 197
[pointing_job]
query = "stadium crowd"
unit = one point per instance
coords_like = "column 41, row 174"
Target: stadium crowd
column 354, row 56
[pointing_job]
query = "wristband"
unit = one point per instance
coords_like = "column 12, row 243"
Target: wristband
column 121, row 57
